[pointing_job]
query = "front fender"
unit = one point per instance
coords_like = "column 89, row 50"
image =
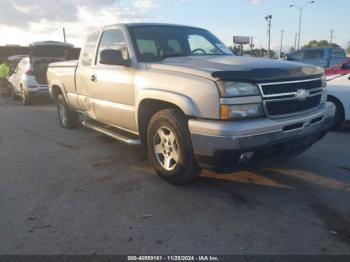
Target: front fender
column 185, row 103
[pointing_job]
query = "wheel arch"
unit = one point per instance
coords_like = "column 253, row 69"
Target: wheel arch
column 339, row 105
column 151, row 102
column 55, row 89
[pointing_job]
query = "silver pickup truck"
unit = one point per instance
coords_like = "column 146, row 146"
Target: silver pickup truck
column 181, row 93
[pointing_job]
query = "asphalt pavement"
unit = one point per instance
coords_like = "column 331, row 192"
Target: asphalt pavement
column 79, row 192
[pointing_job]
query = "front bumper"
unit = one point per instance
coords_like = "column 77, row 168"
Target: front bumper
column 213, row 141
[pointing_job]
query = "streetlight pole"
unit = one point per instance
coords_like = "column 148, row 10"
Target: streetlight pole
column 268, row 19
column 282, row 32
column 300, row 17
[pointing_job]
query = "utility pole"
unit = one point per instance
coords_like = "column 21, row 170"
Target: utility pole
column 64, row 34
column 251, row 45
column 282, row 32
column 332, row 36
column 268, row 19
column 295, row 41
column 300, row 16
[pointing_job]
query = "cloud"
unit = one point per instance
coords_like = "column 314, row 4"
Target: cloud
column 254, row 2
column 46, row 18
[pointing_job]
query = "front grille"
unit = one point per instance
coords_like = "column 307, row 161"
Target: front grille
column 285, row 107
column 292, row 87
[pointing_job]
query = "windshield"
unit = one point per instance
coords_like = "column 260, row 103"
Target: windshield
column 50, row 51
column 154, row 43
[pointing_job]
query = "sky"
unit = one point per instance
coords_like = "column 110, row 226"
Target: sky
column 26, row 21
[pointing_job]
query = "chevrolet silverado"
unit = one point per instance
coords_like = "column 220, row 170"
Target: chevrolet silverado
column 188, row 100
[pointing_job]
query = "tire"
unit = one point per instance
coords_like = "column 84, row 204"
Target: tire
column 170, row 149
column 12, row 92
column 66, row 117
column 339, row 114
column 25, row 98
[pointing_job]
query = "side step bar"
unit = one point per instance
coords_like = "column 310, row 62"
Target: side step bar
column 111, row 132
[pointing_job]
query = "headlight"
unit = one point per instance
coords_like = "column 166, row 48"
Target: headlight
column 237, row 89
column 241, row 111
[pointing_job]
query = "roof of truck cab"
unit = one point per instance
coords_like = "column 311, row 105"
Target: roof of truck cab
column 50, row 43
column 149, row 24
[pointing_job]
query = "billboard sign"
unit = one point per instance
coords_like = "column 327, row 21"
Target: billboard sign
column 242, row 40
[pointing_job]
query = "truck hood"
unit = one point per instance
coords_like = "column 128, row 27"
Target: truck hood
column 238, row 68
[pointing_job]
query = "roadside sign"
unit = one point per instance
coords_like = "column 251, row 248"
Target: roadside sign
column 242, row 40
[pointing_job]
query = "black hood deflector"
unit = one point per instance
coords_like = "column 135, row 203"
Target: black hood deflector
column 262, row 75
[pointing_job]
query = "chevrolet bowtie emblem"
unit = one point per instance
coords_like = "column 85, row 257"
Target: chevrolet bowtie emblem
column 301, row 94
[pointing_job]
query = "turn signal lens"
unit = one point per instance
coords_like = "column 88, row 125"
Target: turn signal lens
column 241, row 111
column 225, row 112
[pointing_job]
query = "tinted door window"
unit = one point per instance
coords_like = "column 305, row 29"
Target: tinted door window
column 89, row 49
column 314, row 54
column 113, row 40
column 297, row 55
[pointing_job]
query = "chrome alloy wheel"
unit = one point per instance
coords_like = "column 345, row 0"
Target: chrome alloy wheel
column 166, row 148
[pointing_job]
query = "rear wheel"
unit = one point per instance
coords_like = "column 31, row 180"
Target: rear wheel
column 67, row 118
column 26, row 99
column 12, row 92
column 170, row 149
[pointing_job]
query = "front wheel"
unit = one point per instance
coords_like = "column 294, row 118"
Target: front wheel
column 66, row 117
column 339, row 114
column 170, row 149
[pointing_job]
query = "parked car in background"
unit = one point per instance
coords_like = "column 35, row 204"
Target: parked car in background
column 13, row 62
column 323, row 57
column 29, row 78
column 182, row 94
column 340, row 69
column 339, row 94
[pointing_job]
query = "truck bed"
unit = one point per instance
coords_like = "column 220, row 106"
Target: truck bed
column 65, row 71
column 69, row 63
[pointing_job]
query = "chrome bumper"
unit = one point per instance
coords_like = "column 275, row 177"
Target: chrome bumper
column 210, row 137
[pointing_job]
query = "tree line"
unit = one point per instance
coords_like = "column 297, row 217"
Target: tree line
column 261, row 52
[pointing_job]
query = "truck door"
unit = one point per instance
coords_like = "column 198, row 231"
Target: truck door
column 83, row 73
column 112, row 86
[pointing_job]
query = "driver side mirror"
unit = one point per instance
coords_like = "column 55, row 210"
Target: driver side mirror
column 113, row 57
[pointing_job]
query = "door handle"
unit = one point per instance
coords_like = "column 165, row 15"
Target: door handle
column 93, row 78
